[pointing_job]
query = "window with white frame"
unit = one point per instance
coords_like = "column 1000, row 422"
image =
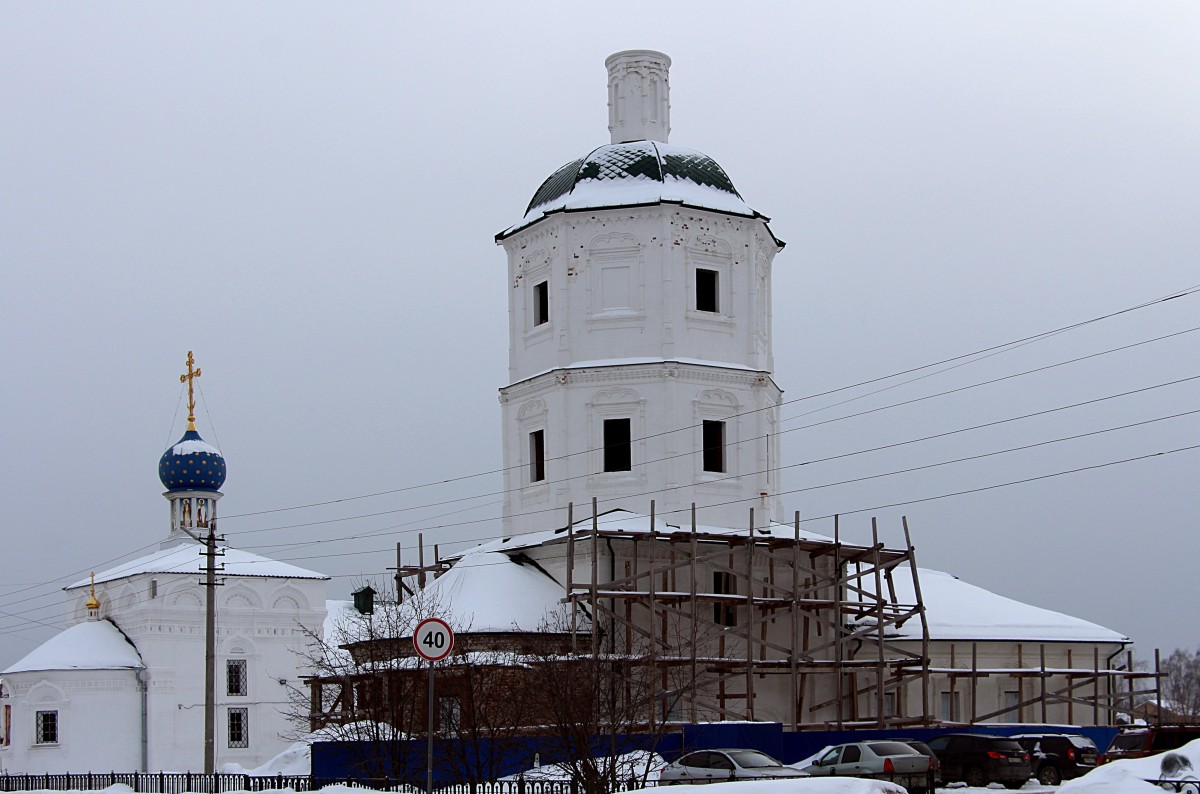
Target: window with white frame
column 713, row 438
column 618, row 445
column 235, row 677
column 541, row 303
column 46, row 727
column 724, row 612
column 1012, row 700
column 708, row 290
column 238, row 727
column 537, row 456
column 949, row 709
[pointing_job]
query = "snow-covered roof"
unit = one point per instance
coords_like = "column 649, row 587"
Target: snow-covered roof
column 636, row 173
column 185, row 557
column 957, row 610
column 92, row 645
column 635, row 523
column 488, row 591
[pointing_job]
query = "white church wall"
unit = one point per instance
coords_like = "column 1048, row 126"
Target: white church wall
column 622, row 284
column 263, row 620
column 96, row 721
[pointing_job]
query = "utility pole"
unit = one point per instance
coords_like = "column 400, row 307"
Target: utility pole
column 210, row 652
column 210, row 607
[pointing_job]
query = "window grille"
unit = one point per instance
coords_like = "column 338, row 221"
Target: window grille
column 47, row 727
column 235, row 677
column 239, row 727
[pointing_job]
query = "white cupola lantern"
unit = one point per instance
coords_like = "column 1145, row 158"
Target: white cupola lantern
column 639, row 96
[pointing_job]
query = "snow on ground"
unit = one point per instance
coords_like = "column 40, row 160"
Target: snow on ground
column 813, row 785
column 1130, row 775
column 640, row 764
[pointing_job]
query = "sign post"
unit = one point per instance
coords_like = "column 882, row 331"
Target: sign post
column 433, row 641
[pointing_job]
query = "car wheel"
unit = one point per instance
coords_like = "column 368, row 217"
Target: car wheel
column 974, row 777
column 1049, row 775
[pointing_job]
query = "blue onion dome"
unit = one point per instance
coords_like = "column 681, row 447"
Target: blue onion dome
column 192, row 464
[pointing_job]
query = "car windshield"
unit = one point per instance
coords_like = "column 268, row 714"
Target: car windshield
column 1007, row 746
column 749, row 759
column 1128, row 741
column 1082, row 742
column 891, row 748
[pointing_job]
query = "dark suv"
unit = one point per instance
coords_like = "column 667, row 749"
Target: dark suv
column 979, row 759
column 1149, row 739
column 1059, row 756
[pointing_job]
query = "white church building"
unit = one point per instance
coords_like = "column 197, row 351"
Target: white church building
column 123, row 687
column 641, row 451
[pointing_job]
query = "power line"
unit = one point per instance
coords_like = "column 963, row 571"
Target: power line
column 411, row 508
column 994, row 348
column 853, row 511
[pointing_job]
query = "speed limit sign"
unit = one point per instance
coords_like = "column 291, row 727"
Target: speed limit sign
column 433, row 639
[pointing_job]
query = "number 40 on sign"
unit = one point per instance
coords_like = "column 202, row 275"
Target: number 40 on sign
column 433, row 639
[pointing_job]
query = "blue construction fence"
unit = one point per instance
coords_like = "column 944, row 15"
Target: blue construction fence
column 406, row 760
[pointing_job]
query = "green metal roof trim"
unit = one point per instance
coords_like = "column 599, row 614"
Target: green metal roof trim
column 630, row 161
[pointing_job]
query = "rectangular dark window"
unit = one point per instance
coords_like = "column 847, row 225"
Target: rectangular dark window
column 537, row 456
column 714, row 445
column 239, row 727
column 618, row 455
column 46, row 727
column 541, row 303
column 449, row 714
column 724, row 612
column 235, row 677
column 708, row 283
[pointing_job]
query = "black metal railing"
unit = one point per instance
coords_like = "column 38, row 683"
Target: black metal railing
column 218, row 783
column 156, row 782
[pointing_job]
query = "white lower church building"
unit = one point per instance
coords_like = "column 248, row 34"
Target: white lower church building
column 123, row 687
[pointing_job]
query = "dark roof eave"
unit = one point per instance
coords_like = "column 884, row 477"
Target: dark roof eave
column 509, row 232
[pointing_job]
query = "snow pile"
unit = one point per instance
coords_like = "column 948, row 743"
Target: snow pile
column 640, row 765
column 297, row 758
column 1130, row 775
column 810, row 785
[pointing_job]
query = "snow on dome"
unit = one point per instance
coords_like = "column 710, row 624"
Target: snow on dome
column 488, row 591
column 192, row 464
column 185, row 558
column 957, row 610
column 639, row 172
column 93, row 645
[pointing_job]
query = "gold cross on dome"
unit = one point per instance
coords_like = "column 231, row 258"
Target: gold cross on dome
column 192, row 373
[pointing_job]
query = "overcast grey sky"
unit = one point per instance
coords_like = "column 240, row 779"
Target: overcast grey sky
column 305, row 194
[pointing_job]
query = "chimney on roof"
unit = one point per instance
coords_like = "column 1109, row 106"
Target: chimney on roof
column 639, row 101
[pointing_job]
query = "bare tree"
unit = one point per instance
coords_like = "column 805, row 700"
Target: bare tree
column 1181, row 684
column 367, row 689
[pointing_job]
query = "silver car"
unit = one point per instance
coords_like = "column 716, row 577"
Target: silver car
column 894, row 761
column 715, row 766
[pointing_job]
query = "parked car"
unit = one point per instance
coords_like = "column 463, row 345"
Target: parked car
column 714, row 766
column 924, row 750
column 1144, row 740
column 1059, row 756
column 884, row 760
column 979, row 759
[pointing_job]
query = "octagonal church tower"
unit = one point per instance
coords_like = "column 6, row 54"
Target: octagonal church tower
column 640, row 361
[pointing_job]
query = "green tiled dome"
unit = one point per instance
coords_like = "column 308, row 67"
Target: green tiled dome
column 635, row 161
